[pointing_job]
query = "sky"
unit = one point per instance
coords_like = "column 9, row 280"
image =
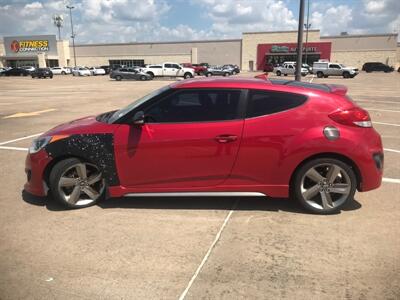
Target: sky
column 103, row 21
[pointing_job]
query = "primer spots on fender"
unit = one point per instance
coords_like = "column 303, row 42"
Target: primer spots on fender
column 95, row 148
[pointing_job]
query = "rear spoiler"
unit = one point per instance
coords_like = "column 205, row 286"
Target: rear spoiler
column 337, row 89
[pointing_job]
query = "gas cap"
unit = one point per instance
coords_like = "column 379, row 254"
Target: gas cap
column 331, row 133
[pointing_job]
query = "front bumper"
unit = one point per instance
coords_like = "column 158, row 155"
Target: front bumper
column 35, row 166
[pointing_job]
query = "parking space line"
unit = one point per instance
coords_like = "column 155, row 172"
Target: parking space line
column 312, row 78
column 20, row 139
column 390, row 180
column 378, row 109
column 205, row 258
column 13, row 148
column 388, row 124
column 391, row 150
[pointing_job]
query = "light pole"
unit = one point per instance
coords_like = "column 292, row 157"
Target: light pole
column 58, row 22
column 307, row 25
column 70, row 7
column 300, row 42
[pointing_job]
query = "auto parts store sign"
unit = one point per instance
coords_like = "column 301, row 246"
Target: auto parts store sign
column 30, row 45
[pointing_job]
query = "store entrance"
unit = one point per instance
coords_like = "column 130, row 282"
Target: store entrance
column 20, row 63
column 280, row 58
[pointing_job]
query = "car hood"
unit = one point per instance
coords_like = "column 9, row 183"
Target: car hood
column 86, row 125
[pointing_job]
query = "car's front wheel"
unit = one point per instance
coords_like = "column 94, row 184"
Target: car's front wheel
column 278, row 73
column 324, row 185
column 187, row 75
column 76, row 184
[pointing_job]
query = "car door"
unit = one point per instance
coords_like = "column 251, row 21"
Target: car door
column 334, row 69
column 190, row 140
column 169, row 70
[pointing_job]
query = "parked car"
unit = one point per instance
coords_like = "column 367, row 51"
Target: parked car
column 198, row 69
column 97, row 71
column 107, row 69
column 16, row 72
column 268, row 67
column 2, row 70
column 60, row 70
column 325, row 69
column 219, row 137
column 28, row 68
column 204, row 64
column 235, row 68
column 376, row 66
column 289, row 68
column 129, row 73
column 218, row 71
column 42, row 73
column 81, row 71
column 168, row 70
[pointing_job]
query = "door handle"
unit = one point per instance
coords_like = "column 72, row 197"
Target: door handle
column 226, row 138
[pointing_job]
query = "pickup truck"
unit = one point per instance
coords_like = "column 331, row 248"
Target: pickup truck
column 168, row 70
column 289, row 68
column 325, row 69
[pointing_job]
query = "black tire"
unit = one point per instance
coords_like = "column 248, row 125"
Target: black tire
column 284, row 74
column 51, row 76
column 208, row 74
column 320, row 74
column 142, row 78
column 33, row 76
column 151, row 74
column 297, row 182
column 187, row 75
column 63, row 73
column 278, row 73
column 226, row 74
column 234, row 73
column 57, row 171
column 346, row 75
column 118, row 78
column 368, row 71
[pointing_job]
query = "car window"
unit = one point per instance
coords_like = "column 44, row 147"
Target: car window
column 175, row 66
column 156, row 67
column 267, row 102
column 333, row 66
column 195, row 106
column 168, row 66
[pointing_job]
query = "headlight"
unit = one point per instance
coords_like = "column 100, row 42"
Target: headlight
column 39, row 143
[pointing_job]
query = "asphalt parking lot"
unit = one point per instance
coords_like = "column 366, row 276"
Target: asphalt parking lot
column 192, row 248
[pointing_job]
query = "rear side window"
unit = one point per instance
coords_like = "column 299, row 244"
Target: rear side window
column 266, row 102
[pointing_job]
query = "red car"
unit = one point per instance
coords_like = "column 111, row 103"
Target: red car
column 198, row 69
column 215, row 137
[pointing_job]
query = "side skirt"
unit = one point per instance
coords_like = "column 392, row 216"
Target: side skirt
column 198, row 194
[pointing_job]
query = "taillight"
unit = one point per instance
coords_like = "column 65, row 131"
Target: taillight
column 355, row 116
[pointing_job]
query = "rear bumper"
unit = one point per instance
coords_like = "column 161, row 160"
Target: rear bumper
column 35, row 165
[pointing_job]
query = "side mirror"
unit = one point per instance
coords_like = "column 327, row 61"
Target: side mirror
column 138, row 118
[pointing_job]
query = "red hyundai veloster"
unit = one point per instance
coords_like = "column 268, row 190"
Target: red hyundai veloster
column 215, row 137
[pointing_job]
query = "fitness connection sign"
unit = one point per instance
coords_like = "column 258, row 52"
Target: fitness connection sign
column 30, row 45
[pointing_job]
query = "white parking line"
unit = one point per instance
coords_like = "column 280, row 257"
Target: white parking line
column 390, row 180
column 20, row 139
column 389, row 124
column 13, row 148
column 216, row 239
column 378, row 109
column 391, row 150
column 312, row 78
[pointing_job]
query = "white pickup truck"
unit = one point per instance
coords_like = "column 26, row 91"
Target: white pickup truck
column 289, row 68
column 168, row 69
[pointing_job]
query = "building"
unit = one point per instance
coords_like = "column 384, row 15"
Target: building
column 251, row 52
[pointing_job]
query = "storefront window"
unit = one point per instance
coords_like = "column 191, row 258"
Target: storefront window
column 126, row 63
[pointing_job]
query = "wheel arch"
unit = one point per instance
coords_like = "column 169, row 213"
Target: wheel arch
column 333, row 155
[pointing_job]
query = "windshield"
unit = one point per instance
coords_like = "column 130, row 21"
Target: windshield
column 122, row 112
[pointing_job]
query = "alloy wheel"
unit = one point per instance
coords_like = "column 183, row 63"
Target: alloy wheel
column 325, row 186
column 81, row 184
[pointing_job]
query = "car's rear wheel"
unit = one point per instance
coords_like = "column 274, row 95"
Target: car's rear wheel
column 142, row 78
column 77, row 184
column 63, row 73
column 151, row 74
column 118, row 78
column 346, row 75
column 320, row 74
column 209, row 74
column 324, row 185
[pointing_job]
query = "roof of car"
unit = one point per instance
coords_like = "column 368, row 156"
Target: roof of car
column 255, row 83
